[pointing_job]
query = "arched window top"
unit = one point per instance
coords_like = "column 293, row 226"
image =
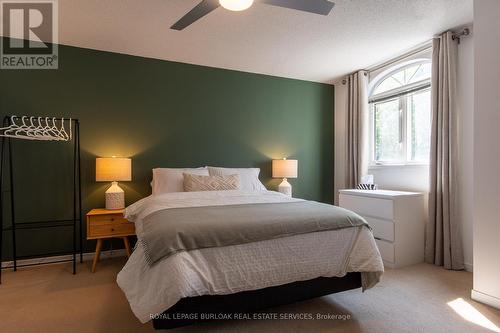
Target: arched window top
column 400, row 109
column 400, row 78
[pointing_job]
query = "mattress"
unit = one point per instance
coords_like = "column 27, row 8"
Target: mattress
column 152, row 289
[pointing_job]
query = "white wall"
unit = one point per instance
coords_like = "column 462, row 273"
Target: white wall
column 404, row 178
column 486, row 152
column 416, row 178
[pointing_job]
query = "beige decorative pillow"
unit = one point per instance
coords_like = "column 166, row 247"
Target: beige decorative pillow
column 193, row 183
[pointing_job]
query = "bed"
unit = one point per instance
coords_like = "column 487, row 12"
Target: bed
column 234, row 276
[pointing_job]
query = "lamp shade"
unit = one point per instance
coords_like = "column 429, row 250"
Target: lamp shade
column 111, row 169
column 285, row 168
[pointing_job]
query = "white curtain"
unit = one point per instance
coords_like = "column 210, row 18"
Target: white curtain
column 443, row 240
column 357, row 128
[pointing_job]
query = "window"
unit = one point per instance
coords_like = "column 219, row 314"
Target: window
column 400, row 114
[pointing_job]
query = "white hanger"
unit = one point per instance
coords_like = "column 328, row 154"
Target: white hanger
column 70, row 129
column 63, row 131
column 13, row 126
column 55, row 130
column 12, row 123
column 46, row 129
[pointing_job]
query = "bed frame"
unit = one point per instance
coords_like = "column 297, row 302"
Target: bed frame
column 251, row 301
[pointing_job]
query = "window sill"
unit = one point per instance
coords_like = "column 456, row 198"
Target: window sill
column 396, row 165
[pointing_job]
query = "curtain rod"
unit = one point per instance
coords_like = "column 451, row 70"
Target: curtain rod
column 464, row 32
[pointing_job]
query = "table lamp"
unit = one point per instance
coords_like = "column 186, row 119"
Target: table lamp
column 285, row 169
column 113, row 169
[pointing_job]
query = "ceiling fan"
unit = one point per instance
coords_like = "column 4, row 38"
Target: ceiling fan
column 322, row 7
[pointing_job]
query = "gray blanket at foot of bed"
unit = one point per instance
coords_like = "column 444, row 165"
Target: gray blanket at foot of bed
column 168, row 231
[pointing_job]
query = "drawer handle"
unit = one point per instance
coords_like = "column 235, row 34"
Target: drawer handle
column 112, row 219
column 112, row 229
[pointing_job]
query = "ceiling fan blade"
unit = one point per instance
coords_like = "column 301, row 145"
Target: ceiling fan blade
column 202, row 9
column 322, row 7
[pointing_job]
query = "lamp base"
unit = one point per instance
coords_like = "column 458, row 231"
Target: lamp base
column 285, row 188
column 115, row 197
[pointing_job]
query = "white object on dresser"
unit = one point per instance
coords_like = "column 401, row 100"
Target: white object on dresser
column 397, row 219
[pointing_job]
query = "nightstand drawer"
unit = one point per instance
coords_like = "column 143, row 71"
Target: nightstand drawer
column 366, row 206
column 108, row 225
column 386, row 250
column 107, row 219
column 381, row 228
column 97, row 230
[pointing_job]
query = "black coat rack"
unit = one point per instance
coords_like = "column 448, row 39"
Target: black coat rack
column 39, row 129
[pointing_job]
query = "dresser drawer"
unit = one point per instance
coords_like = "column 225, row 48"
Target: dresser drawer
column 386, row 250
column 107, row 219
column 109, row 226
column 382, row 229
column 373, row 207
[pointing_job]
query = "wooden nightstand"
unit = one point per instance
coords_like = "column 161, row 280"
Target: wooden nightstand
column 104, row 224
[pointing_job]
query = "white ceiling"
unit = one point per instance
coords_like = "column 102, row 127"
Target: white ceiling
column 263, row 39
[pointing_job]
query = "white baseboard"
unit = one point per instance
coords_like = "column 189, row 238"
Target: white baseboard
column 58, row 259
column 468, row 267
column 485, row 298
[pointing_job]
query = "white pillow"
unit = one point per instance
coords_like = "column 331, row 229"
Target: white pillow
column 167, row 180
column 249, row 177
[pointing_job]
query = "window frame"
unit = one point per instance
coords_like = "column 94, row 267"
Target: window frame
column 401, row 94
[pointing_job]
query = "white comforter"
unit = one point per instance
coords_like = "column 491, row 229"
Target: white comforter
column 224, row 270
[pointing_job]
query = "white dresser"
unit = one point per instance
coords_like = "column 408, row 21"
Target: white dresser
column 397, row 219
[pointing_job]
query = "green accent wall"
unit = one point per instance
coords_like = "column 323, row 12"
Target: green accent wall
column 161, row 114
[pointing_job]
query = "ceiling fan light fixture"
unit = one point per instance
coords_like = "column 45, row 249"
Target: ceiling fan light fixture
column 236, row 5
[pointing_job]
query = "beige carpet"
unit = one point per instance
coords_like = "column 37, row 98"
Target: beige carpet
column 414, row 299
